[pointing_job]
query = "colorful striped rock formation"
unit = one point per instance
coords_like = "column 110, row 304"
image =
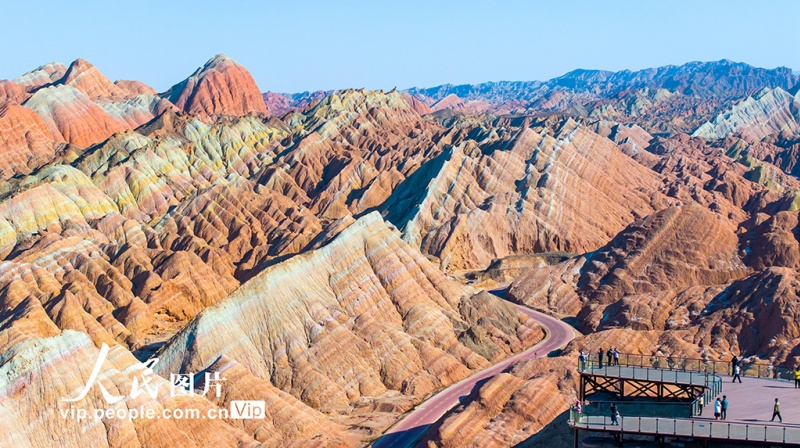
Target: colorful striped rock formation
column 326, row 252
column 354, row 320
column 220, row 87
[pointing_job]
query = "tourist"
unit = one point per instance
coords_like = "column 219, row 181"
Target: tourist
column 717, row 409
column 614, row 415
column 776, row 411
column 579, row 409
column 736, row 372
column 610, row 355
column 600, row 357
column 734, row 363
column 582, row 361
column 724, row 407
column 700, row 403
column 616, row 357
column 797, row 377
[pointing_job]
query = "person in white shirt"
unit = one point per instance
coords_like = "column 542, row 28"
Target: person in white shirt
column 717, row 409
column 736, row 372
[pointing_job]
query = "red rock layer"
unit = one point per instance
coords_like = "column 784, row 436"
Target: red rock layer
column 11, row 92
column 221, row 87
column 417, row 105
column 135, row 87
column 25, row 140
column 70, row 114
column 87, row 78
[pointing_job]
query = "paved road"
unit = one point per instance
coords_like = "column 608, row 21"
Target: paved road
column 414, row 425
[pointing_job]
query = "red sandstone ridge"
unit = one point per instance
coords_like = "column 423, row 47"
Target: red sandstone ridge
column 135, row 87
column 25, row 141
column 11, row 92
column 221, row 87
column 69, row 113
column 87, row 78
column 416, row 104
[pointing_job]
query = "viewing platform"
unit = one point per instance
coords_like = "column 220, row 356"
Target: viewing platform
column 661, row 402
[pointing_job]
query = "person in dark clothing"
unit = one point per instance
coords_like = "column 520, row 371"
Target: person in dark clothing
column 600, row 358
column 734, row 363
column 736, row 372
column 776, row 411
column 724, row 407
column 614, row 415
column 610, row 356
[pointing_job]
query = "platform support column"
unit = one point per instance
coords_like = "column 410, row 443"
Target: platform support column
column 582, row 392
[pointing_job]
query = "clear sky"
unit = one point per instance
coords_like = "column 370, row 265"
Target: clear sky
column 297, row 45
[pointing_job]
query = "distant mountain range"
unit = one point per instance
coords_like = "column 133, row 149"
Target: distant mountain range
column 663, row 99
column 724, row 78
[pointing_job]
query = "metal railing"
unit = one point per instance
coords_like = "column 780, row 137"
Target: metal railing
column 652, row 374
column 670, row 409
column 676, row 427
column 711, row 383
column 749, row 368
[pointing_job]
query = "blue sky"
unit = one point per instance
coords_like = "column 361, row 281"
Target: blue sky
column 300, row 45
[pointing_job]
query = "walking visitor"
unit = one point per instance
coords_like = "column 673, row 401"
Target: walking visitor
column 614, row 415
column 736, row 372
column 776, row 411
column 797, row 377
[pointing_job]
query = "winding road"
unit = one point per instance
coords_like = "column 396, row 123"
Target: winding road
column 413, row 426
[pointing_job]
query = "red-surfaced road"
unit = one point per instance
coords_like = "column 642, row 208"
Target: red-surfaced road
column 413, row 426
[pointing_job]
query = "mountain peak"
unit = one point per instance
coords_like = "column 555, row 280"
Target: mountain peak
column 85, row 77
column 220, row 87
column 219, row 59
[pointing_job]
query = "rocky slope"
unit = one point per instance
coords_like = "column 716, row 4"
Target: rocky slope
column 370, row 318
column 76, row 104
column 504, row 194
column 38, row 373
column 26, row 140
column 771, row 111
